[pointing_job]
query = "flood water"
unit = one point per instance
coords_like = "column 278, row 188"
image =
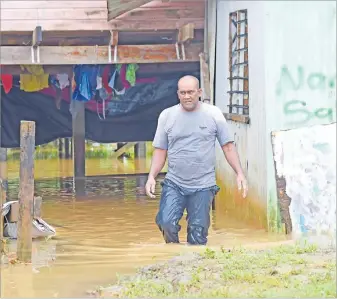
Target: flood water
column 110, row 232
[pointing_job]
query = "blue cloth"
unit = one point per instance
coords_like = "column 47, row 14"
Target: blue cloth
column 86, row 82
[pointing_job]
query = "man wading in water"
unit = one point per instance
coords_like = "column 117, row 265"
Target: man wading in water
column 186, row 134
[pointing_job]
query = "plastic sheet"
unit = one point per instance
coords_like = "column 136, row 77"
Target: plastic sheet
column 132, row 118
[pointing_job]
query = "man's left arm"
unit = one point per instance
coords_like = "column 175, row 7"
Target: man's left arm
column 229, row 149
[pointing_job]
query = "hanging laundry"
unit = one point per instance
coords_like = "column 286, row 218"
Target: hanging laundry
column 99, row 83
column 63, row 80
column 7, row 82
column 105, row 79
column 36, row 80
column 86, row 82
column 131, row 73
column 125, row 82
column 120, row 92
column 113, row 79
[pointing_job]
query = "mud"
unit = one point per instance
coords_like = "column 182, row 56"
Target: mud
column 283, row 271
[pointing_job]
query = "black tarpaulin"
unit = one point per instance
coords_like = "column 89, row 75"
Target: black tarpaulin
column 133, row 117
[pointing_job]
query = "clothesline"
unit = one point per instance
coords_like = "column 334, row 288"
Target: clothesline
column 93, row 84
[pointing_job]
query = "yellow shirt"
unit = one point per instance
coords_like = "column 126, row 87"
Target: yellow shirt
column 36, row 80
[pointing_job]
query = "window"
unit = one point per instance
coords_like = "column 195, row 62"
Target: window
column 238, row 66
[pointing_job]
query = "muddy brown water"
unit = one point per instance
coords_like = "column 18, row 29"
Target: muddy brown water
column 109, row 232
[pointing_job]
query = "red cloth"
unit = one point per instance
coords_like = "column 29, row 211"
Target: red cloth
column 7, row 82
column 105, row 79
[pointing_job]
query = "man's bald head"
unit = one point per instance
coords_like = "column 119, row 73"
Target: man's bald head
column 189, row 92
column 189, row 80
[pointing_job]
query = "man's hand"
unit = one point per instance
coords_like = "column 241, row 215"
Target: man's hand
column 242, row 184
column 150, row 187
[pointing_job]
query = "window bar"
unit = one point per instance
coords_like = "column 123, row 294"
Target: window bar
column 237, row 92
column 245, row 70
column 238, row 64
column 238, row 35
column 237, row 78
column 239, row 50
column 231, row 19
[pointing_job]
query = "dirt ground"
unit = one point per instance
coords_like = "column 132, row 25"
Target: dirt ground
column 288, row 271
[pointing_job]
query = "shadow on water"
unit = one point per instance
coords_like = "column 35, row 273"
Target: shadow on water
column 111, row 231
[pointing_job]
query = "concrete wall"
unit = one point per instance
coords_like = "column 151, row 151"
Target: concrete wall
column 250, row 139
column 306, row 159
column 292, row 83
column 300, row 86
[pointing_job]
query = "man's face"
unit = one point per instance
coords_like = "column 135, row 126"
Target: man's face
column 189, row 94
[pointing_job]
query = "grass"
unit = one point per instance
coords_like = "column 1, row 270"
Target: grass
column 285, row 271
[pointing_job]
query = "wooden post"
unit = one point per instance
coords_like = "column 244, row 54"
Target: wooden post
column 3, row 171
column 71, row 148
column 3, row 190
column 78, row 119
column 140, row 166
column 61, row 153
column 140, row 150
column 26, row 192
column 205, row 84
column 66, row 148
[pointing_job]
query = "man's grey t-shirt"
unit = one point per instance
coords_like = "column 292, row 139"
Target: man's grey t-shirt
column 189, row 138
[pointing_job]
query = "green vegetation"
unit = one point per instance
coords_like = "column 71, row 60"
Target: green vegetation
column 93, row 151
column 285, row 271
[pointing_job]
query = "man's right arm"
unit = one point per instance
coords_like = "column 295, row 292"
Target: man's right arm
column 158, row 162
column 160, row 143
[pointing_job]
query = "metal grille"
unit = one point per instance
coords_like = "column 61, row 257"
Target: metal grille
column 238, row 63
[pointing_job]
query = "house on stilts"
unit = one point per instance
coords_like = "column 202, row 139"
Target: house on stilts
column 264, row 63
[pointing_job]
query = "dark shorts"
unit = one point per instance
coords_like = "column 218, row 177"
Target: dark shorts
column 174, row 200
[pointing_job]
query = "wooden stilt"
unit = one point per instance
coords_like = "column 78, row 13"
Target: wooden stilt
column 79, row 147
column 26, row 192
column 66, row 148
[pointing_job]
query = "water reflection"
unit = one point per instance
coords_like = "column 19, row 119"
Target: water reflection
column 110, row 231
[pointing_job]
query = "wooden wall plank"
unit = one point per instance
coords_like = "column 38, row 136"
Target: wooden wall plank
column 155, row 24
column 71, row 25
column 41, row 4
column 119, row 7
column 54, row 14
column 164, row 14
column 99, row 55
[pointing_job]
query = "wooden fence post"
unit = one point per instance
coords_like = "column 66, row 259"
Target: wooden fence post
column 26, row 192
column 3, row 192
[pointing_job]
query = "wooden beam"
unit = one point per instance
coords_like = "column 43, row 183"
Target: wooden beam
column 164, row 24
column 159, row 13
column 119, row 7
column 144, row 69
column 113, row 38
column 123, row 149
column 205, row 80
column 186, row 33
column 237, row 117
column 101, row 24
column 12, row 55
